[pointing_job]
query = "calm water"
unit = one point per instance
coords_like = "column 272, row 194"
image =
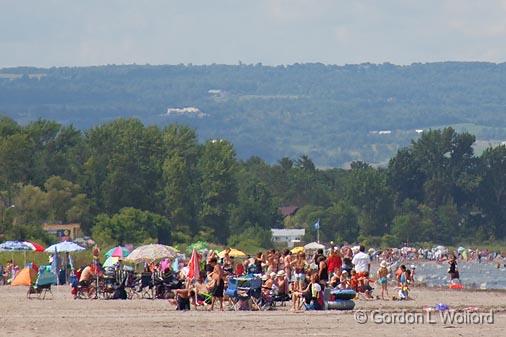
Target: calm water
column 472, row 275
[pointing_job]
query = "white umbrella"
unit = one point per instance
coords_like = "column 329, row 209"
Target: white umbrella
column 64, row 247
column 313, row 246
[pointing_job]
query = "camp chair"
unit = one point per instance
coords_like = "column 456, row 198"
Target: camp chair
column 202, row 299
column 42, row 285
column 259, row 299
column 145, row 285
column 232, row 293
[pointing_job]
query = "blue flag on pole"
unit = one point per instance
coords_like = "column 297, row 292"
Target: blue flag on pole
column 316, row 225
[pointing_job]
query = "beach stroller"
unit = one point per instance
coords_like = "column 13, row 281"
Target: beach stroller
column 45, row 279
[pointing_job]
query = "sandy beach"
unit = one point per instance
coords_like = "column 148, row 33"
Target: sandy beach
column 63, row 316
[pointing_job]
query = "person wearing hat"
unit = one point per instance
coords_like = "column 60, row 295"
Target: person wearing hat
column 382, row 274
column 281, row 284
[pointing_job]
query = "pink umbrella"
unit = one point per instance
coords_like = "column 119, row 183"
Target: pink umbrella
column 194, row 266
column 117, row 252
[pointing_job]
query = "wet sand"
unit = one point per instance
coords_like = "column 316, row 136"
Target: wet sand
column 64, row 316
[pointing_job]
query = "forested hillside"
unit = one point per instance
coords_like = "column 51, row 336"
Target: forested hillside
column 126, row 182
column 333, row 114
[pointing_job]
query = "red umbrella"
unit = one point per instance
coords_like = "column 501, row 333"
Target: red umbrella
column 34, row 246
column 194, row 265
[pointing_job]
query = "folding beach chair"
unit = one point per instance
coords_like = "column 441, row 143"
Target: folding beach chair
column 232, row 293
column 45, row 279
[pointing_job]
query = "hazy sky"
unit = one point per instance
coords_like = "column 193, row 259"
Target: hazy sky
column 90, row 32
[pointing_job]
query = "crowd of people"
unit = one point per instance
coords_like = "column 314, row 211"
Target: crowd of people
column 300, row 277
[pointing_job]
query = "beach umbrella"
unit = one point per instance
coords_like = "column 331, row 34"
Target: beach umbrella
column 13, row 245
column 111, row 261
column 151, row 253
column 232, row 253
column 34, row 246
column 194, row 265
column 199, row 246
column 64, row 247
column 297, row 250
column 313, row 246
column 117, row 252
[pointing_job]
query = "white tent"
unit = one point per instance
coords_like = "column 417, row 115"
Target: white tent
column 313, row 246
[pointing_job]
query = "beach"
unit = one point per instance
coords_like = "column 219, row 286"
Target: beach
column 61, row 315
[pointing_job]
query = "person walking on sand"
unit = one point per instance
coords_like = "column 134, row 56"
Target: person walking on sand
column 217, row 284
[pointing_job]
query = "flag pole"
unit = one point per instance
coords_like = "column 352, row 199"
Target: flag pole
column 318, row 232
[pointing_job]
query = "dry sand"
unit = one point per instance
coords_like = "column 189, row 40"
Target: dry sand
column 63, row 316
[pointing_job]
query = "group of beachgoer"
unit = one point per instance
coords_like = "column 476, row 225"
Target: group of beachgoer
column 299, row 277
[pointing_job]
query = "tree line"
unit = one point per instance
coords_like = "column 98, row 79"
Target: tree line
column 126, row 182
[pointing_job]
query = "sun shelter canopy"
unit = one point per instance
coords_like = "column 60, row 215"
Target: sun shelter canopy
column 13, row 245
column 64, row 247
column 25, row 277
column 117, row 252
column 151, row 252
column 233, row 253
column 314, row 246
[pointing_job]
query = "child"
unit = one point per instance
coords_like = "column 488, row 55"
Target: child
column 382, row 278
column 403, row 287
column 344, row 282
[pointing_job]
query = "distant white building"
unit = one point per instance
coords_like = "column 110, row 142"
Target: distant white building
column 384, row 132
column 188, row 111
column 288, row 236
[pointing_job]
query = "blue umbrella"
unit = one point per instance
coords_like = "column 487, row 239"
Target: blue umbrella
column 64, row 247
column 13, row 245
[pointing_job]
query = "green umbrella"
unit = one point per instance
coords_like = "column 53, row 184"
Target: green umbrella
column 198, row 246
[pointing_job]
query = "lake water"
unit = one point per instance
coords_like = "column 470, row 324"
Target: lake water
column 472, row 275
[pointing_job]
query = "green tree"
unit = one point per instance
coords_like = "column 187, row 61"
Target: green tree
column 131, row 225
column 217, row 167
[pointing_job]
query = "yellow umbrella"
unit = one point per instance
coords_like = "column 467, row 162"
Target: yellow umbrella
column 297, row 250
column 233, row 253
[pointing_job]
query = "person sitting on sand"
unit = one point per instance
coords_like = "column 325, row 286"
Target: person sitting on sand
column 183, row 298
column 335, row 280
column 313, row 294
column 403, row 286
column 344, row 281
column 281, row 284
column 354, row 280
column 298, row 295
column 382, row 278
column 364, row 287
